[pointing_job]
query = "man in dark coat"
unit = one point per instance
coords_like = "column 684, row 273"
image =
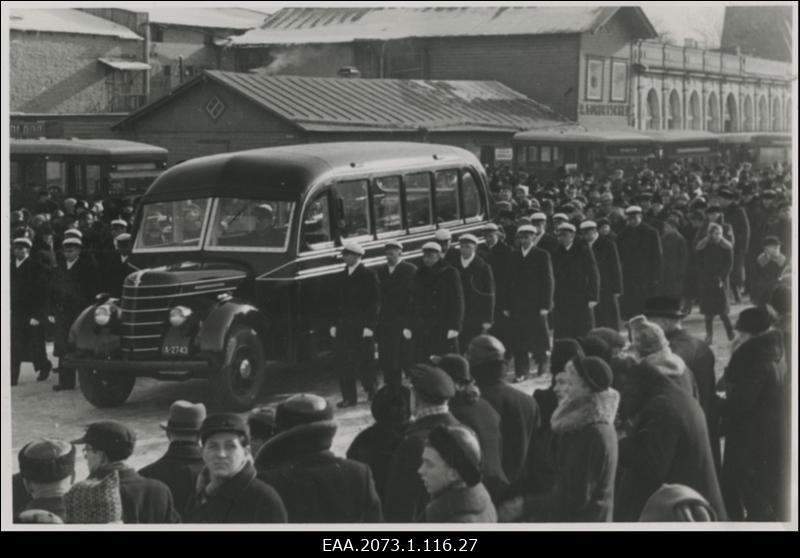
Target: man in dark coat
column 73, row 286
column 406, row 497
column 115, row 267
column 606, row 313
column 667, row 442
column 529, row 299
column 767, row 270
column 543, row 240
column 438, row 306
column 359, row 305
column 28, row 311
column 180, row 466
column 520, row 421
column 666, row 313
column 227, row 489
column 756, row 417
column 478, row 286
column 396, row 282
column 577, row 285
column 757, row 217
column 586, row 451
column 473, row 411
column 714, row 262
column 497, row 254
column 676, row 257
column 641, row 256
column 315, row 485
column 107, row 445
column 736, row 217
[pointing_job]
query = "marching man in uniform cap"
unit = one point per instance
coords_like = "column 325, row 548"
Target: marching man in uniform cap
column 498, row 255
column 354, row 331
column 577, row 285
column 450, row 254
column 438, row 306
column 606, row 313
column 477, row 284
column 640, row 253
column 396, row 282
column 117, row 267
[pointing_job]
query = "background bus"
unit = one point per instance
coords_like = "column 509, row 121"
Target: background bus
column 547, row 153
column 687, row 147
column 756, row 148
column 82, row 167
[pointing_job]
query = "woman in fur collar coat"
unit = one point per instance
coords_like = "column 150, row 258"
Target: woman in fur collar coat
column 586, row 451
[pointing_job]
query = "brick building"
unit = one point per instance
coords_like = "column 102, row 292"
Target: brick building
column 227, row 111
column 574, row 59
column 67, row 61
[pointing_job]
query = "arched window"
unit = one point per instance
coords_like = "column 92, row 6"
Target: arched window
column 763, row 116
column 748, row 123
column 653, row 118
column 712, row 114
column 777, row 114
column 695, row 115
column 731, row 114
column 675, row 121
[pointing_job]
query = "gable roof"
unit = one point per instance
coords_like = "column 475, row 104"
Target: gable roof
column 60, row 20
column 343, row 25
column 341, row 104
column 211, row 18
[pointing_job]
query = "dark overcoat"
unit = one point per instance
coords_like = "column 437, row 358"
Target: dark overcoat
column 438, row 307
column 529, row 289
column 478, row 286
column 714, row 266
column 114, row 271
column 606, row 313
column 673, row 273
column 577, row 282
column 71, row 291
column 178, row 468
column 27, row 300
column 641, row 256
column 736, row 217
column 499, row 259
column 396, row 314
column 375, row 447
column 143, row 500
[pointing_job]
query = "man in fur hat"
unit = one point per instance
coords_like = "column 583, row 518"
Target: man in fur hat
column 47, row 468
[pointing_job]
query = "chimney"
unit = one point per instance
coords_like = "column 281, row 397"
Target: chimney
column 349, row 72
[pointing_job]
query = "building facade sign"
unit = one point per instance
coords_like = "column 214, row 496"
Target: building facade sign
column 603, row 109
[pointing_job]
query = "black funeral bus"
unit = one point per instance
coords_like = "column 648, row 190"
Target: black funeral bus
column 237, row 255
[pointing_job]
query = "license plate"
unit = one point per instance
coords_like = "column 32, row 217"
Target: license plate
column 176, row 350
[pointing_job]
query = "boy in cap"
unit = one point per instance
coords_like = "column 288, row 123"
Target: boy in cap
column 47, row 468
column 577, row 285
column 478, row 287
column 227, row 489
column 640, row 254
column 438, row 302
column 28, row 311
column 354, row 330
column 431, row 390
column 314, row 485
column 107, row 445
column 396, row 284
column 451, row 473
column 179, row 467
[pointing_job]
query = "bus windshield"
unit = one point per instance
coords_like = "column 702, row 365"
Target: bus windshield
column 173, row 225
column 253, row 225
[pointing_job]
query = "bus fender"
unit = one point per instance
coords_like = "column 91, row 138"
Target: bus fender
column 213, row 332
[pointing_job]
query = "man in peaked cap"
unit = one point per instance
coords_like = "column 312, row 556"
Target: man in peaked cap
column 606, row 313
column 577, row 285
column 107, row 446
column 28, row 311
column 116, row 266
column 641, row 256
column 357, row 321
column 396, row 283
column 498, row 255
column 438, row 306
column 47, row 468
column 431, row 390
column 179, row 467
column 478, row 286
column 450, row 253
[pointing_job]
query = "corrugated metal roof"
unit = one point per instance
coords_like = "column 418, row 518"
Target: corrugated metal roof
column 212, row 18
column 339, row 104
column 338, row 25
column 66, row 21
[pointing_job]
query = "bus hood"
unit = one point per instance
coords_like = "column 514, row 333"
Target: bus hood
column 195, row 275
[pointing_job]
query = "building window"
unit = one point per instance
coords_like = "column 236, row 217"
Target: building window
column 594, row 79
column 653, row 119
column 167, row 71
column 619, row 81
column 215, row 107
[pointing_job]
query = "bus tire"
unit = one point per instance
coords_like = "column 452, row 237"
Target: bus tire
column 238, row 382
column 106, row 388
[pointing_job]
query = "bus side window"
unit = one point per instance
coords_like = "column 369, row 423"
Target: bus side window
column 418, row 199
column 386, row 204
column 352, row 208
column 470, row 195
column 317, row 223
column 545, row 154
column 447, row 196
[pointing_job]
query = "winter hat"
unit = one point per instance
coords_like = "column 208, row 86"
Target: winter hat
column 485, row 348
column 303, row 408
column 456, row 367
column 781, row 299
column 47, row 460
column 95, row 501
column 564, row 350
column 224, row 422
column 111, row 437
column 595, row 347
column 459, row 448
column 432, row 383
column 754, row 320
column 677, row 502
column 185, row 417
column 261, row 422
column 594, row 371
column 647, row 337
column 391, row 404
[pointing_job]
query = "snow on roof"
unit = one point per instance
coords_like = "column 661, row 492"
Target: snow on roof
column 66, row 21
column 214, row 18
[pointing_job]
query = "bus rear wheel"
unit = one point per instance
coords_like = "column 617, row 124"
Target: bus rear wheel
column 239, row 381
column 105, row 388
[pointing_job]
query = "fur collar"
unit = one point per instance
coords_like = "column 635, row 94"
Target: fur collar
column 457, row 501
column 667, row 362
column 575, row 414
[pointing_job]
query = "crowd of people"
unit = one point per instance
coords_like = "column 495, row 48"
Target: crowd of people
column 633, row 427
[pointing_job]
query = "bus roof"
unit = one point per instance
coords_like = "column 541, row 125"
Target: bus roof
column 284, row 173
column 578, row 135
column 756, row 137
column 681, row 136
column 89, row 147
